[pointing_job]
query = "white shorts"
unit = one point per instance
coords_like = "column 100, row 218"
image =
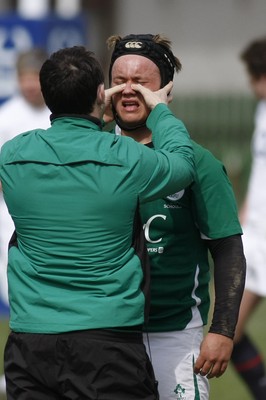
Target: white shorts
column 255, row 253
column 173, row 355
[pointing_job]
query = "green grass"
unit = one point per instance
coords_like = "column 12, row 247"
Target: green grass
column 229, row 386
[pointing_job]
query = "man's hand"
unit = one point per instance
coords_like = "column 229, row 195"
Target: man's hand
column 108, row 112
column 153, row 98
column 215, row 353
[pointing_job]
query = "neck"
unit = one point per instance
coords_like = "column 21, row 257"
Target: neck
column 97, row 112
column 141, row 135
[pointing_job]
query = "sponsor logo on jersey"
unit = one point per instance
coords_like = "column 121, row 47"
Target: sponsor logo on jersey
column 146, row 228
column 176, row 196
column 171, row 206
column 159, row 250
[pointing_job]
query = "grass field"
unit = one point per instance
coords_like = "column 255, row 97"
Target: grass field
column 227, row 387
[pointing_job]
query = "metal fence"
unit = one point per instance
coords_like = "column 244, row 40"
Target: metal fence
column 224, row 125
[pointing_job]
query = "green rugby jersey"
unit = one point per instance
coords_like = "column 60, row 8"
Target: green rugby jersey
column 174, row 227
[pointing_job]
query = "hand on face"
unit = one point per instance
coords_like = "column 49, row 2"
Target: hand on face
column 130, row 104
column 153, row 98
column 108, row 115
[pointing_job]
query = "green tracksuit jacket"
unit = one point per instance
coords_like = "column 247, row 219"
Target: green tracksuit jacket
column 73, row 191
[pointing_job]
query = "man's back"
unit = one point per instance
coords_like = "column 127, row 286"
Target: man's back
column 78, row 234
column 72, row 239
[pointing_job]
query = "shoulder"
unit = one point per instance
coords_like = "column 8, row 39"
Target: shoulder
column 14, row 141
column 205, row 157
column 210, row 173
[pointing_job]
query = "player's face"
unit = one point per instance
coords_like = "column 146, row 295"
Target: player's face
column 128, row 69
column 30, row 88
column 258, row 86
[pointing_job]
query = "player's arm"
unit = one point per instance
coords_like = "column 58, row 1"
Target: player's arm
column 229, row 281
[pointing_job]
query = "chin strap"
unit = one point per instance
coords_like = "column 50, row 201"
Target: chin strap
column 128, row 128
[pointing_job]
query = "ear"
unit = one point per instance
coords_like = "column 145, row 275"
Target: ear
column 100, row 94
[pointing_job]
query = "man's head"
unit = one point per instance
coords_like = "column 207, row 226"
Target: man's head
column 28, row 66
column 145, row 59
column 254, row 57
column 70, row 81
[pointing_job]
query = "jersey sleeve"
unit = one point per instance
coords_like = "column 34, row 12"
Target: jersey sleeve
column 213, row 200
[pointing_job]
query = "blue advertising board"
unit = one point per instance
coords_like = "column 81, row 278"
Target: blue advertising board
column 18, row 34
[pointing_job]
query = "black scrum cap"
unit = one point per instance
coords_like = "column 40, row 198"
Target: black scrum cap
column 144, row 45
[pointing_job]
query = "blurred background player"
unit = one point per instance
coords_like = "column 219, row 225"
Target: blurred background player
column 24, row 111
column 179, row 230
column 246, row 357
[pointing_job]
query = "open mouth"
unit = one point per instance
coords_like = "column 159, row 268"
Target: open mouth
column 130, row 105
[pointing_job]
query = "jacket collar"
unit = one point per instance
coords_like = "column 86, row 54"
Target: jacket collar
column 95, row 120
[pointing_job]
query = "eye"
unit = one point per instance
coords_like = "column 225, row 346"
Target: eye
column 141, row 82
column 118, row 81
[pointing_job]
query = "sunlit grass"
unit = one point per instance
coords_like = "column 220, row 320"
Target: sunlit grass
column 230, row 386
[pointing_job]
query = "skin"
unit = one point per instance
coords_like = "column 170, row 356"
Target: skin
column 130, row 105
column 134, row 98
column 30, row 88
column 216, row 349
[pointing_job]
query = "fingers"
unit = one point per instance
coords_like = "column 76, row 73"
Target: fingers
column 220, row 371
column 211, row 370
column 215, row 353
column 115, row 89
column 151, row 98
column 210, row 367
column 108, row 112
column 169, row 86
column 139, row 88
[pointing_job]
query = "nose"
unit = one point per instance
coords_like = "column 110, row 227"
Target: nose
column 128, row 88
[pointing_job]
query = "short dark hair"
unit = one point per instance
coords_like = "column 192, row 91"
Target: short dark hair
column 254, row 56
column 70, row 79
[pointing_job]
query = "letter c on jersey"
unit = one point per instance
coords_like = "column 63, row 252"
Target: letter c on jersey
column 146, row 228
